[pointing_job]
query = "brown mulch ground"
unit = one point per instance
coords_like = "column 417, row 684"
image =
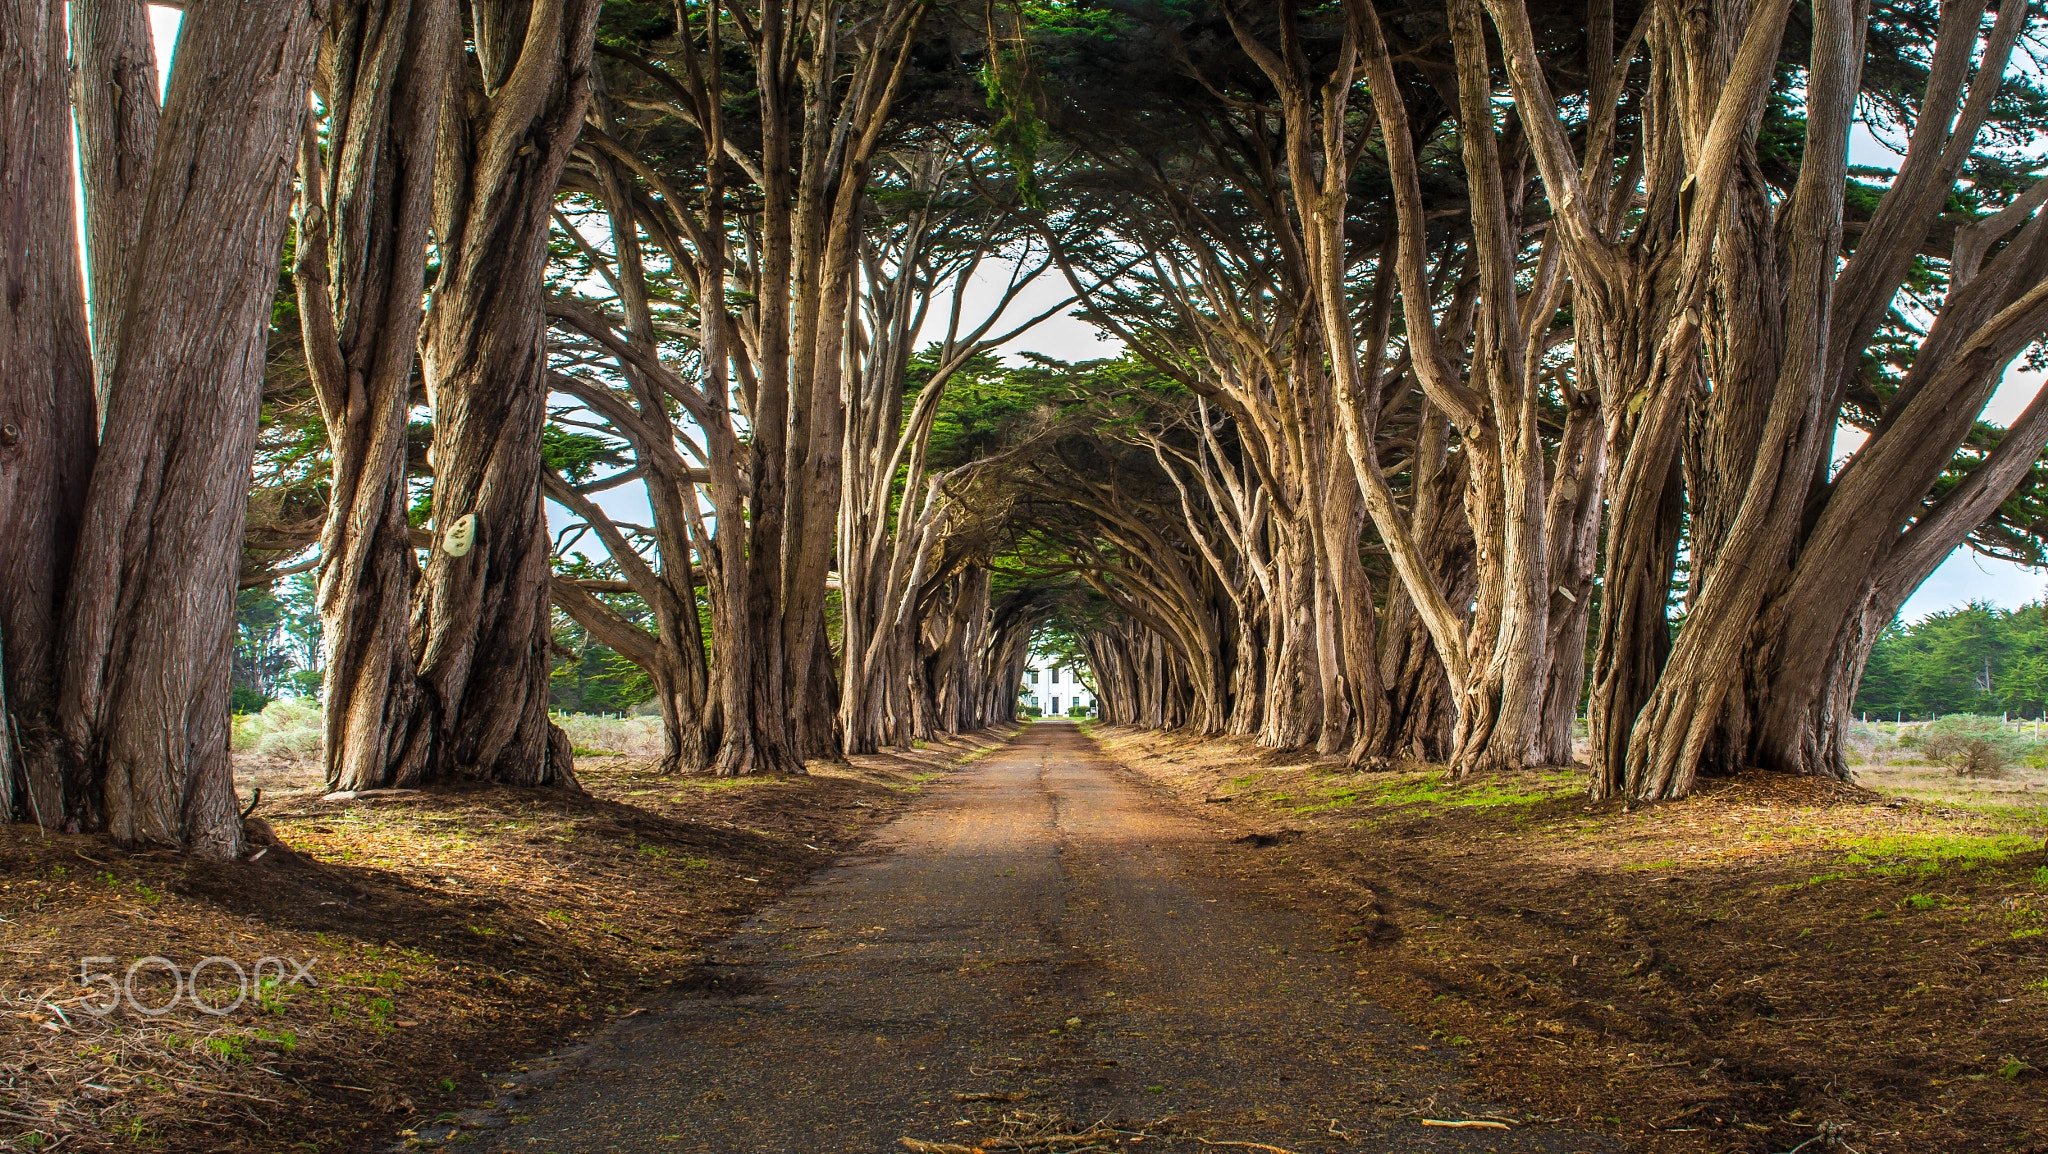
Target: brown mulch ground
column 450, row 934
column 1774, row 962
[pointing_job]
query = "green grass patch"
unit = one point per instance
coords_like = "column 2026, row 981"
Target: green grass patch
column 228, row 1048
column 711, row 783
column 1929, row 853
column 1428, row 790
column 284, row 1040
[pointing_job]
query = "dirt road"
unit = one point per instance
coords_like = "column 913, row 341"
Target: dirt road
column 1046, row 933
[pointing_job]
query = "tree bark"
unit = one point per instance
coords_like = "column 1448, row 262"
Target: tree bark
column 1670, row 735
column 481, row 623
column 366, row 208
column 47, row 418
column 150, row 613
column 114, row 87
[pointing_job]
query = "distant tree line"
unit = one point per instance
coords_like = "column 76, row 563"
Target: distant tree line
column 1976, row 659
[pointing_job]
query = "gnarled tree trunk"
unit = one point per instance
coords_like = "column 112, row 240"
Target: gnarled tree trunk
column 114, row 86
column 364, row 217
column 46, row 405
column 150, row 613
column 481, row 622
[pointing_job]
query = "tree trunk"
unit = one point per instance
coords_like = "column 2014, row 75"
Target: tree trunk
column 1877, row 537
column 1644, row 518
column 1293, row 703
column 1674, row 729
column 365, row 214
column 115, row 86
column 481, row 623
column 1573, row 532
column 150, row 615
column 46, row 404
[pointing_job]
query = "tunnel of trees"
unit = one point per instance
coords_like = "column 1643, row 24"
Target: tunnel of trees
column 1487, row 365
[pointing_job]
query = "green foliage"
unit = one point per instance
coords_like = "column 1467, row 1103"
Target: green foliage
column 1012, row 92
column 277, row 643
column 288, row 729
column 1976, row 659
column 228, row 1048
column 1925, row 854
column 987, row 401
column 594, row 678
column 578, row 456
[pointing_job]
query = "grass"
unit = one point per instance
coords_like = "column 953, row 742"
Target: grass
column 1433, row 790
column 288, row 730
column 1930, row 853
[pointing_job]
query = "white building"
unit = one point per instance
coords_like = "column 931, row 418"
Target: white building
column 1056, row 690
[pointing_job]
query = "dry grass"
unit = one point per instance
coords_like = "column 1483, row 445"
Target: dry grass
column 451, row 933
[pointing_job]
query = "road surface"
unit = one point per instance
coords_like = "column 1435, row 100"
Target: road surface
column 1042, row 939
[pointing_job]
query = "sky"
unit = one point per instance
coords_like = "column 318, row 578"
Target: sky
column 1963, row 578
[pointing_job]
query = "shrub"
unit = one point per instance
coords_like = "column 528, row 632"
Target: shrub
column 1969, row 744
column 287, row 729
column 596, row 736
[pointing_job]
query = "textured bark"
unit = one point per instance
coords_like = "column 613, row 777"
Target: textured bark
column 150, row 610
column 806, row 294
column 1670, row 735
column 1498, row 662
column 46, row 405
column 1639, row 283
column 1876, row 538
column 114, row 87
column 1870, row 535
column 481, row 621
column 1293, row 714
column 758, row 731
column 364, row 217
column 1572, row 529
column 1418, row 684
